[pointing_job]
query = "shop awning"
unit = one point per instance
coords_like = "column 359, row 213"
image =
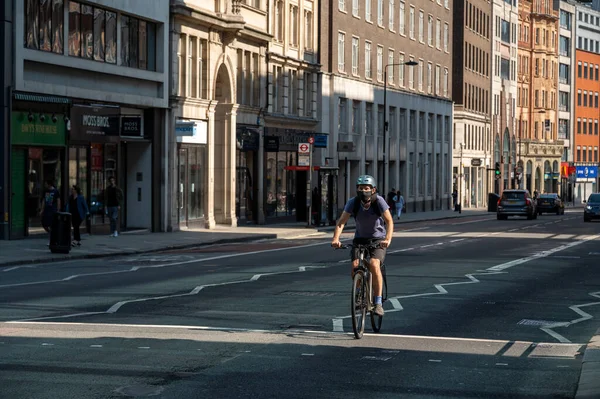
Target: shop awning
column 41, row 98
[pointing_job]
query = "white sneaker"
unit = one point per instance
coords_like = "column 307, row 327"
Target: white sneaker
column 116, row 234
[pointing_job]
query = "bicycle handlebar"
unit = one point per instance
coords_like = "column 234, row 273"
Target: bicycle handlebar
column 370, row 246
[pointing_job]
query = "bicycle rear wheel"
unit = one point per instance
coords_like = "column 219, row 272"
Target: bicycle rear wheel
column 359, row 304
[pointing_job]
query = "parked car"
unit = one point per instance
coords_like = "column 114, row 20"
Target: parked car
column 516, row 203
column 550, row 203
column 592, row 208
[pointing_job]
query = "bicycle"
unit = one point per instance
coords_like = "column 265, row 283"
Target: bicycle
column 362, row 291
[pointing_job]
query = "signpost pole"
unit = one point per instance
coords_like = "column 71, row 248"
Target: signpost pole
column 308, row 186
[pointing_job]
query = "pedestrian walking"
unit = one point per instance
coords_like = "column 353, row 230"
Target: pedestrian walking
column 79, row 210
column 391, row 201
column 454, row 199
column 50, row 205
column 114, row 198
column 399, row 204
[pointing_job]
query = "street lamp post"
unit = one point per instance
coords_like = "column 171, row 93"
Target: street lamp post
column 385, row 122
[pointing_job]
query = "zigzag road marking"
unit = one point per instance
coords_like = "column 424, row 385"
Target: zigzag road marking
column 549, row 329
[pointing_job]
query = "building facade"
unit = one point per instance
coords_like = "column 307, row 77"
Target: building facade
column 367, row 87
column 505, row 18
column 89, row 92
column 566, row 92
column 540, row 150
column 218, row 72
column 471, row 92
column 290, row 114
column 587, row 110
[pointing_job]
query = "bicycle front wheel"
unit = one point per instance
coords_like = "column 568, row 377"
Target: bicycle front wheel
column 359, row 304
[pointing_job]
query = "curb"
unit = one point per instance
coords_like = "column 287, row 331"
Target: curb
column 308, row 232
column 589, row 380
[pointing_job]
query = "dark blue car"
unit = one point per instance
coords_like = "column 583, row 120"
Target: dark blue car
column 592, row 208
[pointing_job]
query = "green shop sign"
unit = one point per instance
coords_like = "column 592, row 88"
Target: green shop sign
column 37, row 131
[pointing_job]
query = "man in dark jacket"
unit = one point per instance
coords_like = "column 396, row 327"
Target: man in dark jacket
column 113, row 196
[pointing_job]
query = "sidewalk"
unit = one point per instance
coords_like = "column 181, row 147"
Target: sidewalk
column 35, row 250
column 589, row 380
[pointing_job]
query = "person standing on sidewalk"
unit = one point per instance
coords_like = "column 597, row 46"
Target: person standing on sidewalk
column 114, row 197
column 79, row 211
column 399, row 203
column 50, row 205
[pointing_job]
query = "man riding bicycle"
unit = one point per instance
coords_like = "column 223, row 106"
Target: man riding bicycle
column 370, row 216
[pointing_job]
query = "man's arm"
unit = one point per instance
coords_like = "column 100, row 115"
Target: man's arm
column 339, row 227
column 389, row 227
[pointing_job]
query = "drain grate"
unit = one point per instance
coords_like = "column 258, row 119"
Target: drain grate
column 536, row 323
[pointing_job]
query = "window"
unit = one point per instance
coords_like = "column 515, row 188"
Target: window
column 401, row 70
column 379, row 64
column 356, row 122
column 93, row 33
column 421, row 27
column 446, row 77
column 438, row 34
column 368, row 13
column 308, row 30
column 342, row 5
column 342, row 117
column 355, row 45
column 391, row 15
column 380, row 12
column 138, row 43
column 368, row 72
column 411, row 23
column 505, row 32
column 505, row 68
column 402, row 18
column 308, row 94
column 44, row 20
column 390, row 71
column 279, row 15
column 429, row 77
column 341, row 65
column 565, row 19
column 564, row 46
column 564, row 73
column 430, row 30
column 420, row 75
column 437, row 80
column 294, row 26
column 411, row 78
column 446, row 36
column 355, row 8
column 75, row 29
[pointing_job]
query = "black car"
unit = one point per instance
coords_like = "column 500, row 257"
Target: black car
column 550, row 203
column 592, row 208
column 516, row 203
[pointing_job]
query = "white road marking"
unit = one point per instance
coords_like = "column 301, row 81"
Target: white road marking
column 136, row 268
column 308, row 354
column 577, row 309
column 143, row 347
column 9, row 269
column 501, row 364
column 435, row 360
column 95, row 346
column 338, row 325
column 47, row 344
column 115, row 308
column 473, row 221
column 539, row 255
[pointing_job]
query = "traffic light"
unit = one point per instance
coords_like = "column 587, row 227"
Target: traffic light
column 497, row 171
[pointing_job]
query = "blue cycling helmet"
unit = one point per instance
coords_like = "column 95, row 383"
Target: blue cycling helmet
column 366, row 179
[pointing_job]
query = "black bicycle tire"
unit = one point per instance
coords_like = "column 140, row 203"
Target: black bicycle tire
column 358, row 327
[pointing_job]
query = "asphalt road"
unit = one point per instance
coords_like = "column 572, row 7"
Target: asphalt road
column 477, row 308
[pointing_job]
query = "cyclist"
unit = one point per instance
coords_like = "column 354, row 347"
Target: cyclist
column 370, row 217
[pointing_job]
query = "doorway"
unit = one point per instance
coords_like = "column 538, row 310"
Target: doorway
column 190, row 198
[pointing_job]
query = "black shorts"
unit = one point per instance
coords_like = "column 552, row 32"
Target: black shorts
column 377, row 253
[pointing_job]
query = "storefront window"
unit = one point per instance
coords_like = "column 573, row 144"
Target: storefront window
column 280, row 184
column 191, row 177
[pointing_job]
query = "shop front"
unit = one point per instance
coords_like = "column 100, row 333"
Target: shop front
column 105, row 142
column 247, row 145
column 191, row 165
column 37, row 156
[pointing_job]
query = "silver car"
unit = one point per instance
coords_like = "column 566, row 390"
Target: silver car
column 516, row 203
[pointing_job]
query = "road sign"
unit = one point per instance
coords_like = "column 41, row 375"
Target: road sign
column 311, row 140
column 476, row 162
column 303, row 160
column 304, row 148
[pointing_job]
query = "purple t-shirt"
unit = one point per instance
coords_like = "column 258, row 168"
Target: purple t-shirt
column 368, row 224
